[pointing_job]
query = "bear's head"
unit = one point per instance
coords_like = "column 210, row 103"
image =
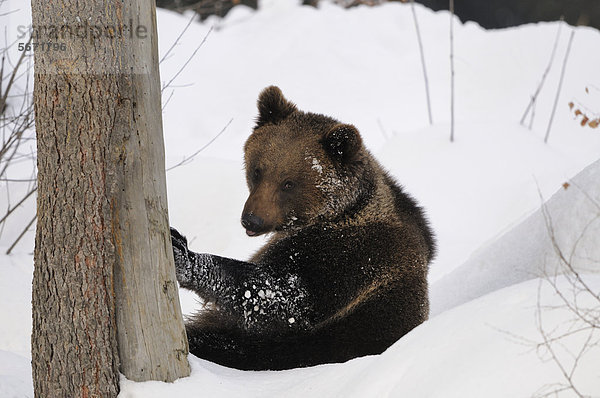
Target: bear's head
column 301, row 168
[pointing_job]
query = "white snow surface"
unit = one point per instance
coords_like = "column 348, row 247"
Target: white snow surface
column 482, row 192
column 569, row 222
column 486, row 347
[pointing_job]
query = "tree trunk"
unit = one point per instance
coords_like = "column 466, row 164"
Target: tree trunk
column 104, row 282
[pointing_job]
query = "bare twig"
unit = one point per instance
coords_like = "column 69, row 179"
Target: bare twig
column 548, row 346
column 12, row 78
column 531, row 105
column 16, row 122
column 532, row 116
column 564, row 261
column 191, row 157
column 414, row 13
column 18, row 127
column 11, row 209
column 2, row 102
column 585, row 322
column 21, row 234
column 188, row 60
column 178, row 38
column 589, row 197
column 560, row 82
column 17, row 179
column 168, row 100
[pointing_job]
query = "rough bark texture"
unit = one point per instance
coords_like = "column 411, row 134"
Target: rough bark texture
column 104, row 283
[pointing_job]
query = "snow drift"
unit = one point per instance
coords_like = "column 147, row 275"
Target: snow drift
column 569, row 221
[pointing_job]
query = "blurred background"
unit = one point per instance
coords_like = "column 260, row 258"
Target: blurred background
column 490, row 14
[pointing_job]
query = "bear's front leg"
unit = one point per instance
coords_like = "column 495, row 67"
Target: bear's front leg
column 191, row 269
column 255, row 296
column 210, row 276
column 181, row 258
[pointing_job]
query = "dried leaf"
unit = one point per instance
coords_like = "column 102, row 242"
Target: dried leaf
column 584, row 120
column 578, row 112
column 566, row 185
column 594, row 123
column 587, row 91
column 571, row 105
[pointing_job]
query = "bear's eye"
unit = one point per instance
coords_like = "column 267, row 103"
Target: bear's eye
column 256, row 175
column 288, row 186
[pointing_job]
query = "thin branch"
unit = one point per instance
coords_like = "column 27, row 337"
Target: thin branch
column 568, row 304
column 178, row 38
column 560, row 82
column 17, row 179
column 414, row 12
column 11, row 209
column 24, row 121
column 558, row 251
column 583, row 322
column 532, row 116
column 21, row 234
column 577, row 357
column 13, row 76
column 168, row 100
column 2, row 102
column 548, row 346
column 191, row 157
column 580, row 237
column 586, row 194
column 531, row 105
column 571, row 332
column 188, row 60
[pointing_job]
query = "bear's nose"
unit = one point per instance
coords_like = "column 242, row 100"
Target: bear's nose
column 252, row 222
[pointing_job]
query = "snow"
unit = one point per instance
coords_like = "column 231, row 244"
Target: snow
column 482, row 192
column 15, row 375
column 316, row 165
column 485, row 347
column 15, row 332
column 572, row 215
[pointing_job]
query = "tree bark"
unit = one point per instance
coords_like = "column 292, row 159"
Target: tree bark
column 104, row 282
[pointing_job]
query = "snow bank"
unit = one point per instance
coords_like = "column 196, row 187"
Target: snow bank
column 16, row 273
column 572, row 216
column 15, row 376
column 484, row 348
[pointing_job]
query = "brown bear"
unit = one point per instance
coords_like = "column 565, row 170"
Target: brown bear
column 344, row 273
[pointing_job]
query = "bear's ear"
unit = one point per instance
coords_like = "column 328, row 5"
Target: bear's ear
column 273, row 107
column 342, row 142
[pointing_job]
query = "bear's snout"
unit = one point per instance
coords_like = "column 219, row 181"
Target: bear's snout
column 252, row 223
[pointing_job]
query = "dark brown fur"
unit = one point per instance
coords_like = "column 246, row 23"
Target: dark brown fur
column 349, row 251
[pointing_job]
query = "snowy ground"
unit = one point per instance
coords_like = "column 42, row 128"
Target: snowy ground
column 362, row 66
column 486, row 347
